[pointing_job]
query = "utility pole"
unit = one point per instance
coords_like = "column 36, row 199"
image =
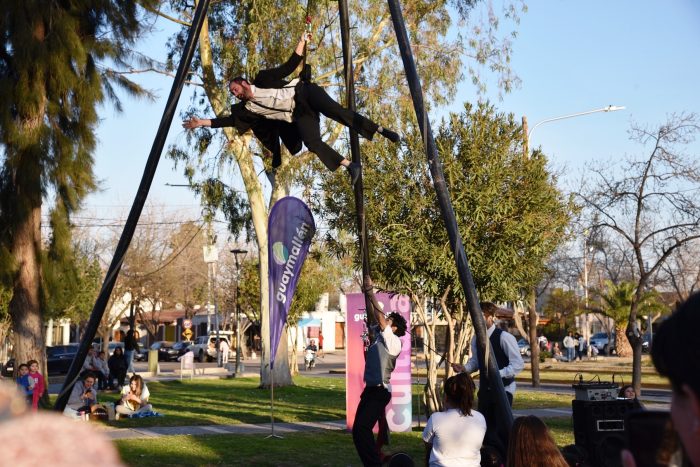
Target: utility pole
column 239, row 365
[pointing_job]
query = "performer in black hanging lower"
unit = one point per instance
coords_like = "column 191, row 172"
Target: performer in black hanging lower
column 290, row 109
column 380, row 361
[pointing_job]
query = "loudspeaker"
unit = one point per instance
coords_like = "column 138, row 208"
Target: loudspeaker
column 599, row 427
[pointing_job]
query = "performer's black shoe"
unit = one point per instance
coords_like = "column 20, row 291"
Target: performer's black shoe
column 354, row 169
column 390, row 135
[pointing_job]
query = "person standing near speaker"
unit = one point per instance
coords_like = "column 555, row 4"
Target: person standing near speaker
column 505, row 349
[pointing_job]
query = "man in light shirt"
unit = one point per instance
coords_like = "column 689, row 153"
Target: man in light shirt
column 297, row 102
column 505, row 349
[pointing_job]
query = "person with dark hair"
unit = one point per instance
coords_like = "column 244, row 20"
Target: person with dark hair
column 490, row 457
column 131, row 345
column 505, row 349
column 117, row 368
column 454, row 436
column 676, row 356
column 297, row 102
column 83, row 397
column 531, row 445
column 627, row 392
column 380, row 361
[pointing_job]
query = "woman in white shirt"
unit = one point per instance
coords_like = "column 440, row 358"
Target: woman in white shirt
column 134, row 397
column 454, row 436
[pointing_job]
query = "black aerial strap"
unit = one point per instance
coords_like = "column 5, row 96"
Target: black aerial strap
column 305, row 74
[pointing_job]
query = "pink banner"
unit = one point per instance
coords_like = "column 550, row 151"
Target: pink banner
column 399, row 413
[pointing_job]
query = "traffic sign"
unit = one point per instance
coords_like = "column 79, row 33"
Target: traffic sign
column 187, row 323
column 187, row 334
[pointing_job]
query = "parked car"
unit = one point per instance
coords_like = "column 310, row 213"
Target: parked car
column 182, row 347
column 165, row 349
column 141, row 355
column 60, row 357
column 9, row 368
column 524, row 347
column 204, row 347
column 599, row 340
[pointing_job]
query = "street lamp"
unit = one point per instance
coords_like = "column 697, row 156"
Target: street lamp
column 239, row 367
column 610, row 108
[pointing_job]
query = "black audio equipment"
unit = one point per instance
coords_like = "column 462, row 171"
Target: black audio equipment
column 599, row 427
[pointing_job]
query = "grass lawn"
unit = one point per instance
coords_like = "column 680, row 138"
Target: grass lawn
column 230, row 401
column 328, row 448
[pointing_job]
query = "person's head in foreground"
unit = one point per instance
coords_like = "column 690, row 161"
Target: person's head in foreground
column 459, row 393
column 531, row 445
column 676, row 355
column 46, row 438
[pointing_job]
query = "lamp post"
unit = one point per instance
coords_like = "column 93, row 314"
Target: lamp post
column 610, row 108
column 239, row 366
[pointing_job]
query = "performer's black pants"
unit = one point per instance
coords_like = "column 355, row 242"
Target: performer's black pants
column 311, row 101
column 373, row 402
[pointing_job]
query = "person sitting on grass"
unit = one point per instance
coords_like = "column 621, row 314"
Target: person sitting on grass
column 531, row 445
column 455, row 435
column 83, row 397
column 134, row 398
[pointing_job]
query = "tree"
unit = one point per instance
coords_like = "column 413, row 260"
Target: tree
column 616, row 300
column 242, row 38
column 561, row 308
column 54, row 74
column 509, row 211
column 652, row 205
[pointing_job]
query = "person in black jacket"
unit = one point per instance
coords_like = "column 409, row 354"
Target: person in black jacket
column 117, row 368
column 274, row 108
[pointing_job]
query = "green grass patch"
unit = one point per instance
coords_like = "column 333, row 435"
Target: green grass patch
column 562, row 429
column 327, row 448
column 525, row 399
column 240, row 400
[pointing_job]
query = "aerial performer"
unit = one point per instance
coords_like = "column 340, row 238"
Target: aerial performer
column 380, row 361
column 276, row 109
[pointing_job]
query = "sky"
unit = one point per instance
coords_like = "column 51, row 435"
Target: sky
column 571, row 56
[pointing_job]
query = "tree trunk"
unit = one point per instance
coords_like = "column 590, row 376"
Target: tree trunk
column 25, row 305
column 622, row 345
column 534, row 344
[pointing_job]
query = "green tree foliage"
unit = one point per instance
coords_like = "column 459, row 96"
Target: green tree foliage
column 616, row 300
column 53, row 77
column 561, row 308
column 509, row 211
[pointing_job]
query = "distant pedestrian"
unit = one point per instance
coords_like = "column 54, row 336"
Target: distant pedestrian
column 570, row 347
column 224, row 349
column 24, row 383
column 320, row 343
column 131, row 345
column 581, row 346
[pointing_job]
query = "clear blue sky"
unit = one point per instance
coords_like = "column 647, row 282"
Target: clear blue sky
column 572, row 56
